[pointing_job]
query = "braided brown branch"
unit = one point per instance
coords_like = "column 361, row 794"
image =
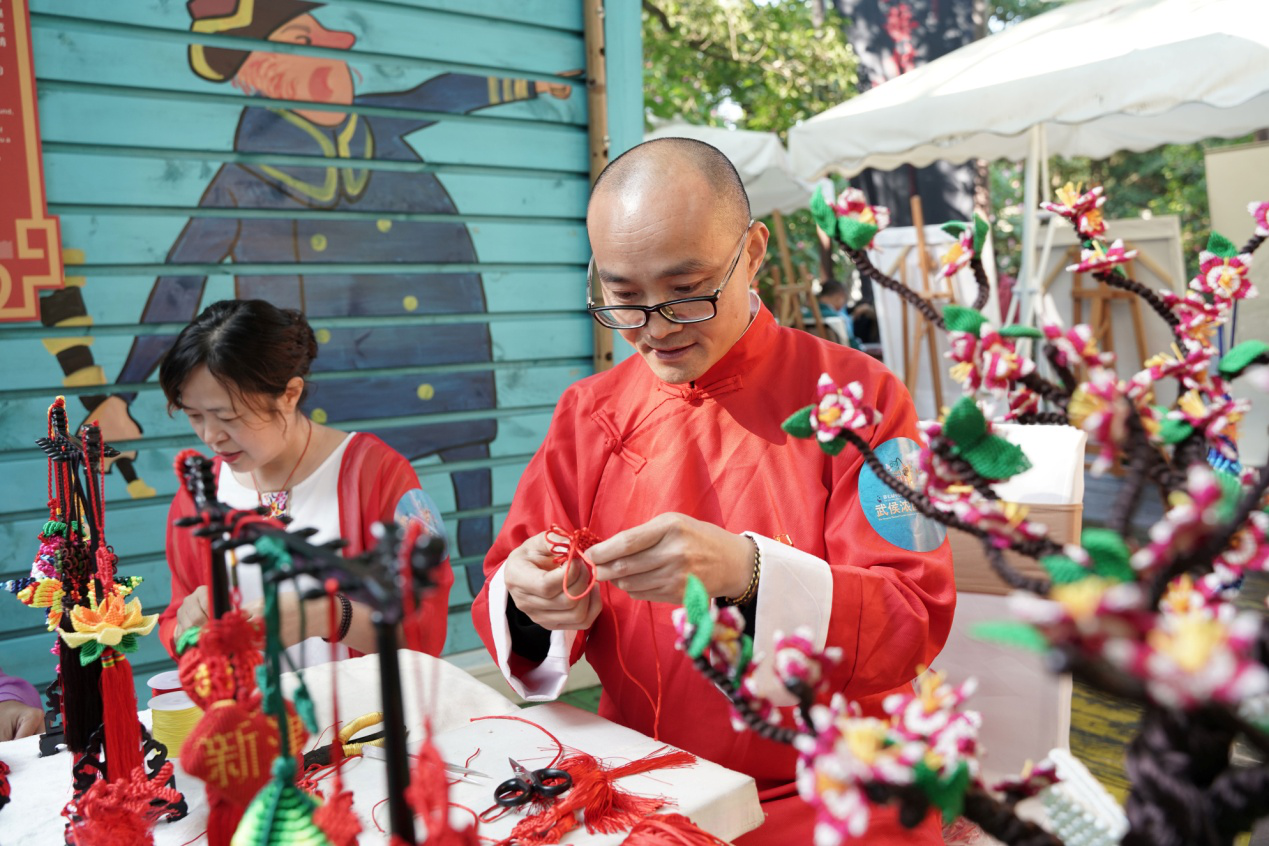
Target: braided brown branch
column 922, row 503
column 1046, row 389
column 920, row 303
column 999, row 820
column 984, row 287
column 1253, row 244
column 1152, row 299
column 1046, row 418
column 1010, row 576
column 756, row 724
column 1069, row 382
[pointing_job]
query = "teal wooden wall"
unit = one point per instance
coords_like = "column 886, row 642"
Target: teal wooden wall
column 132, row 140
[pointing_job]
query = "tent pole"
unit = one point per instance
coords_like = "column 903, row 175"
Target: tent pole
column 1030, row 202
column 597, row 109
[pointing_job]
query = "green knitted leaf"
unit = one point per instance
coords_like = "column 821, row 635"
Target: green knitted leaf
column 1221, row 246
column 742, row 663
column 303, row 702
column 995, row 458
column 799, row 423
column 188, row 639
column 1231, row 494
column 954, row 227
column 1173, row 431
column 948, row 795
column 965, row 425
column 89, row 652
column 1017, row 330
column 696, row 603
column 980, row 233
column 834, row 446
column 1010, row 633
column 855, row 234
column 280, row 814
column 1242, row 356
column 127, row 643
column 822, row 213
column 961, row 319
column 1063, row 570
column 1109, row 553
column 53, row 527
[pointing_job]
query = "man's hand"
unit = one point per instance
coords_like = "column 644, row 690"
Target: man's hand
column 18, row 719
column 194, row 611
column 536, row 583
column 653, row 561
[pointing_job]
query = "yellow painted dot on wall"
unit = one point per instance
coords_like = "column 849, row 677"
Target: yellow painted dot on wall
column 318, row 415
column 318, row 241
column 323, row 336
column 384, row 225
column 426, row 391
column 411, row 303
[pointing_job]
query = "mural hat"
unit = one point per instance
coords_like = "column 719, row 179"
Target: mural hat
column 242, row 18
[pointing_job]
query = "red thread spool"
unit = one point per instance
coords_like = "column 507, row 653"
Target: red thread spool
column 168, row 682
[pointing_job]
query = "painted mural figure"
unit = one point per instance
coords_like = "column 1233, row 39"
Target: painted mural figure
column 336, row 211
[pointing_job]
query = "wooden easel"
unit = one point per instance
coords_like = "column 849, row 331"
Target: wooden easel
column 791, row 294
column 924, row 330
column 1102, row 297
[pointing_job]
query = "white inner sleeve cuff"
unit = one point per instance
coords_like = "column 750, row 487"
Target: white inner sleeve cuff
column 795, row 592
column 544, row 682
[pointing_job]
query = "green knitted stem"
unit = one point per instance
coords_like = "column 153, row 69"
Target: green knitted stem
column 1109, row 553
column 696, row 602
column 1242, row 356
column 960, row 319
column 1010, row 633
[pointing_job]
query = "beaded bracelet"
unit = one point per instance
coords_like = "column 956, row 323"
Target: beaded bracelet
column 345, row 619
column 752, row 590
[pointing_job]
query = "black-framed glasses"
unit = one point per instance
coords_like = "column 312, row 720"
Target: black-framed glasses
column 685, row 310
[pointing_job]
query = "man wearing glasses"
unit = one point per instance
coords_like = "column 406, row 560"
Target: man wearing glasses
column 675, row 458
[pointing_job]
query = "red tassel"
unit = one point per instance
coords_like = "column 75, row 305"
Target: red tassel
column 119, row 715
column 120, row 813
column 337, row 821
column 670, row 830
column 428, row 795
column 223, row 817
column 4, row 784
column 596, row 799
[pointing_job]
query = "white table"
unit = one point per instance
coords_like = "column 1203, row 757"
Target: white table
column 719, row 800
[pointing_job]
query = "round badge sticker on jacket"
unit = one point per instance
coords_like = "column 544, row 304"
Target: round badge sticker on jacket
column 417, row 505
column 892, row 516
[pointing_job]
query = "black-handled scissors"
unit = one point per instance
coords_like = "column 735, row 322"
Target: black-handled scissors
column 526, row 785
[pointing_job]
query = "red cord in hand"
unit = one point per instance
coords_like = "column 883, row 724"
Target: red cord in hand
column 567, row 547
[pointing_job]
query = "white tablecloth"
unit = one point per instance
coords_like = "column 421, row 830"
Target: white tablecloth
column 719, row 800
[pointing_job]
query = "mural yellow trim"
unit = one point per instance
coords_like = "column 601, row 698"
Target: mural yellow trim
column 210, row 26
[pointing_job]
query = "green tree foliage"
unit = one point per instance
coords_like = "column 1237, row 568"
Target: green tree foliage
column 762, row 66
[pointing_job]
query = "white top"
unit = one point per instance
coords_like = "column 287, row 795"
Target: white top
column 313, row 503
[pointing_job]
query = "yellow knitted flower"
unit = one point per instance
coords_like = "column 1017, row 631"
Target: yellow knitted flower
column 108, row 623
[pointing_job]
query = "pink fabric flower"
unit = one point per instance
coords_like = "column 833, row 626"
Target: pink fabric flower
column 1260, row 214
column 1082, row 209
column 988, row 362
column 1100, row 259
column 1224, row 277
column 853, row 204
column 1194, row 515
column 1199, row 318
column 958, row 255
column 839, row 409
column 1077, row 346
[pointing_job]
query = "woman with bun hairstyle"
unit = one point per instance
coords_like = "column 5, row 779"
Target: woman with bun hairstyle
column 238, row 375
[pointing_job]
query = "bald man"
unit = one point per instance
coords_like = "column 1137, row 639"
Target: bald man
column 676, row 459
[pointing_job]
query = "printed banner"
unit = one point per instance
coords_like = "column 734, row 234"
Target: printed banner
column 30, row 243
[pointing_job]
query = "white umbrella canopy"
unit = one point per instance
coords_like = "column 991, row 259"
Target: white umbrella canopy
column 760, row 159
column 1093, row 77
